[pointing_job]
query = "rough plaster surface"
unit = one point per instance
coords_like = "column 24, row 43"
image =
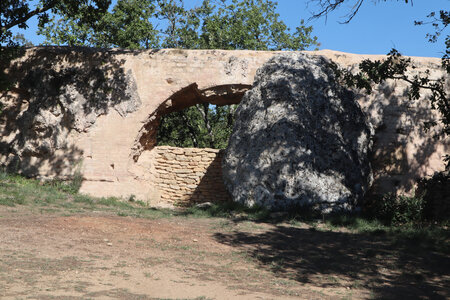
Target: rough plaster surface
column 299, row 139
column 109, row 140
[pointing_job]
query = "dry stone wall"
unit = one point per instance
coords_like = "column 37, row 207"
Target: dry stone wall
column 55, row 121
column 189, row 175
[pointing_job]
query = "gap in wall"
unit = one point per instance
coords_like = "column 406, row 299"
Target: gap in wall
column 185, row 135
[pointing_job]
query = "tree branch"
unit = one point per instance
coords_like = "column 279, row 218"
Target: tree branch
column 29, row 15
column 327, row 6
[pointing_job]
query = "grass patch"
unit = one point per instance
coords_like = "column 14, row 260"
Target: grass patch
column 228, row 210
column 354, row 222
column 80, row 198
column 16, row 190
column 11, row 201
column 425, row 235
column 57, row 196
column 71, row 186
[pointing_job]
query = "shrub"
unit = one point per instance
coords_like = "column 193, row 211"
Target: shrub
column 436, row 196
column 431, row 203
column 396, row 210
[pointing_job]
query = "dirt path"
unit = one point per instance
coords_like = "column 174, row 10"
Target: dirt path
column 102, row 256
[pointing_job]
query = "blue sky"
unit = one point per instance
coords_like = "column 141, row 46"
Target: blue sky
column 378, row 27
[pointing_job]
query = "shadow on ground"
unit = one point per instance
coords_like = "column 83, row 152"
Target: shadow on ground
column 387, row 267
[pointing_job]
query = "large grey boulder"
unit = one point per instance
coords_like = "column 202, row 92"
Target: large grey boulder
column 299, row 139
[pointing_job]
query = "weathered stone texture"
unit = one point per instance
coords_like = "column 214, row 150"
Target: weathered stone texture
column 299, row 139
column 189, row 175
column 62, row 93
column 102, row 117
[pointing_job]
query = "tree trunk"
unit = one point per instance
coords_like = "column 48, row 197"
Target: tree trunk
column 190, row 128
column 204, row 111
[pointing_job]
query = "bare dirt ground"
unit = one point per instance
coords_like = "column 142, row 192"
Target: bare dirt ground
column 98, row 255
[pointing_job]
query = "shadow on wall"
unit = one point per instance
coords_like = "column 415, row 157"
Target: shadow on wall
column 185, row 176
column 403, row 149
column 387, row 268
column 7, row 55
column 309, row 135
column 59, row 90
column 211, row 187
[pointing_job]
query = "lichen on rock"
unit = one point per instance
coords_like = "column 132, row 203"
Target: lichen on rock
column 299, row 139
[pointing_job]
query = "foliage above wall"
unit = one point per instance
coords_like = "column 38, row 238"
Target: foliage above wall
column 215, row 24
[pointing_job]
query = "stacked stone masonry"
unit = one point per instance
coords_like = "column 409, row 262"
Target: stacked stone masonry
column 102, row 121
column 189, row 175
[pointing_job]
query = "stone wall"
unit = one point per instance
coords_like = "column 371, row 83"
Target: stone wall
column 189, row 175
column 102, row 116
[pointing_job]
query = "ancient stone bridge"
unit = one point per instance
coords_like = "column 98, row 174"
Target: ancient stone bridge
column 96, row 113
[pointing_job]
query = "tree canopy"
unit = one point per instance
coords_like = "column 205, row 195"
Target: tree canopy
column 215, row 24
column 18, row 12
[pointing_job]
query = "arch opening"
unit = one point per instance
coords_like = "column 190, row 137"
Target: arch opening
column 184, row 175
column 191, row 95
